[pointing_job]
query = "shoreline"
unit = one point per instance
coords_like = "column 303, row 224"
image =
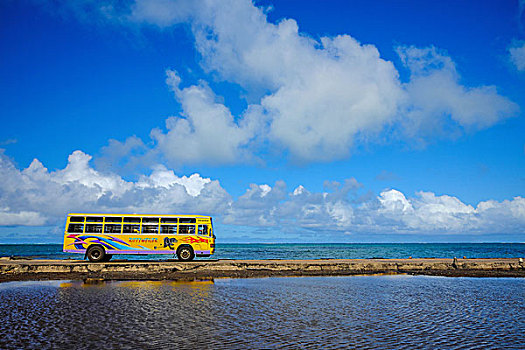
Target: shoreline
column 19, row 269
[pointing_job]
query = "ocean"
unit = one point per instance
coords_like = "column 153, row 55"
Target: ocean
column 359, row 312
column 306, row 251
column 356, row 312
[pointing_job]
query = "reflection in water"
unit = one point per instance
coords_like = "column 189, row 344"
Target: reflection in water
column 311, row 312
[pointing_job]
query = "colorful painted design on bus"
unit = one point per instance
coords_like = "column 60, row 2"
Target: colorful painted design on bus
column 83, row 241
column 193, row 240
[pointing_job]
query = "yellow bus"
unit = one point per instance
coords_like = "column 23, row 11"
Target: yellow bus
column 100, row 236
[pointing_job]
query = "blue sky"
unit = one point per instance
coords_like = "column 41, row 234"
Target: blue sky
column 285, row 120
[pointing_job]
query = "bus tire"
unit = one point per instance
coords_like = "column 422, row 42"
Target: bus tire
column 96, row 253
column 185, row 253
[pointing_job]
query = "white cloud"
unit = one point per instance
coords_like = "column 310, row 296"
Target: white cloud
column 343, row 91
column 310, row 98
column 435, row 95
column 259, row 206
column 428, row 212
column 389, row 213
column 79, row 172
column 161, row 177
column 124, row 156
column 28, row 218
column 206, row 132
column 517, row 55
column 318, row 96
column 161, row 12
column 36, row 196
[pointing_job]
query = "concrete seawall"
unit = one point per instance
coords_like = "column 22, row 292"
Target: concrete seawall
column 19, row 269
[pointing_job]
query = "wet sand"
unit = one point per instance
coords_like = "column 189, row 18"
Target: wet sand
column 17, row 269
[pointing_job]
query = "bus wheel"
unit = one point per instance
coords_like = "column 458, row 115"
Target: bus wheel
column 185, row 253
column 96, row 253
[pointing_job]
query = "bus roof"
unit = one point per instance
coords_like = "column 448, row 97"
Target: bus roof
column 141, row 215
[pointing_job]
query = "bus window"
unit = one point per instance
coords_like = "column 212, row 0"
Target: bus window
column 203, row 230
column 150, row 228
column 94, row 228
column 76, row 219
column 75, row 228
column 187, row 220
column 113, row 219
column 169, row 220
column 131, row 229
column 94, row 219
column 150, row 221
column 112, row 228
column 131, row 219
column 187, row 229
column 168, row 229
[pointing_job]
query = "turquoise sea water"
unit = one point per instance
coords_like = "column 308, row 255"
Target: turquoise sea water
column 307, row 251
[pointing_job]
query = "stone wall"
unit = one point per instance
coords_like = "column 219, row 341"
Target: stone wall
column 19, row 269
